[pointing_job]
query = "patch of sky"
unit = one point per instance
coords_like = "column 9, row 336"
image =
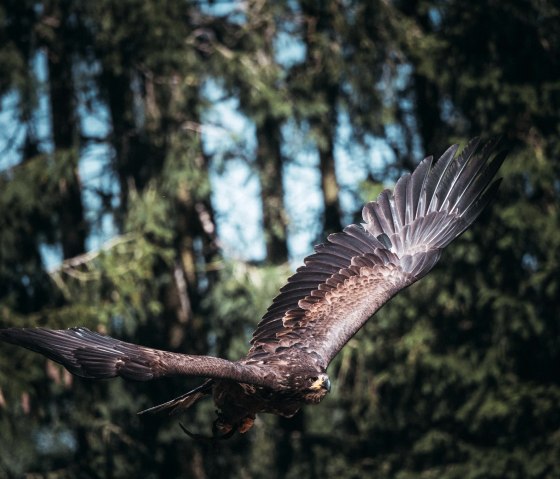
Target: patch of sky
column 402, row 78
column 451, row 115
column 51, row 255
column 234, row 10
column 354, row 160
column 395, row 134
column 351, row 168
column 435, row 17
column 12, row 131
column 41, row 115
column 95, row 171
column 57, row 441
column 302, row 192
column 530, row 262
column 288, row 49
column 229, row 138
column 236, row 201
column 225, row 128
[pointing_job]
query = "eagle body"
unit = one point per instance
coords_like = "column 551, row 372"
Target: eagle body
column 324, row 304
column 238, row 403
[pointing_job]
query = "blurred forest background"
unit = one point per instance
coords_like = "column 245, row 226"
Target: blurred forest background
column 125, row 124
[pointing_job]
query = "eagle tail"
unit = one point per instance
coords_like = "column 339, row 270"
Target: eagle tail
column 184, row 401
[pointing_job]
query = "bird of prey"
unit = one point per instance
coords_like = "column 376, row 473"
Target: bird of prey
column 340, row 286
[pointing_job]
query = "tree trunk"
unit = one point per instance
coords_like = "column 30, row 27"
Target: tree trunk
column 269, row 163
column 64, row 124
column 319, row 26
column 329, row 184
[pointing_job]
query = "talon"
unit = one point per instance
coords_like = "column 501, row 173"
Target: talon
column 190, row 434
column 246, row 424
column 200, row 437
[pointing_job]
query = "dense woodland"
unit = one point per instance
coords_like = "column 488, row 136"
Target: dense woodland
column 458, row 377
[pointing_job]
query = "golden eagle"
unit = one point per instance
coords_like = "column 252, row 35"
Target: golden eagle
column 340, row 286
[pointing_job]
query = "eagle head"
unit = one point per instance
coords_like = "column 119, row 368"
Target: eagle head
column 316, row 388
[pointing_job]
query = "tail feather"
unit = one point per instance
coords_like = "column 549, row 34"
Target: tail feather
column 184, row 401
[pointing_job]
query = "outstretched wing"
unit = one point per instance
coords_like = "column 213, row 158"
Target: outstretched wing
column 356, row 272
column 93, row 355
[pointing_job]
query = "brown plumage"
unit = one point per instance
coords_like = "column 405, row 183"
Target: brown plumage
column 322, row 306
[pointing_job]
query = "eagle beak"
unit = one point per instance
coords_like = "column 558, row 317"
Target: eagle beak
column 321, row 383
